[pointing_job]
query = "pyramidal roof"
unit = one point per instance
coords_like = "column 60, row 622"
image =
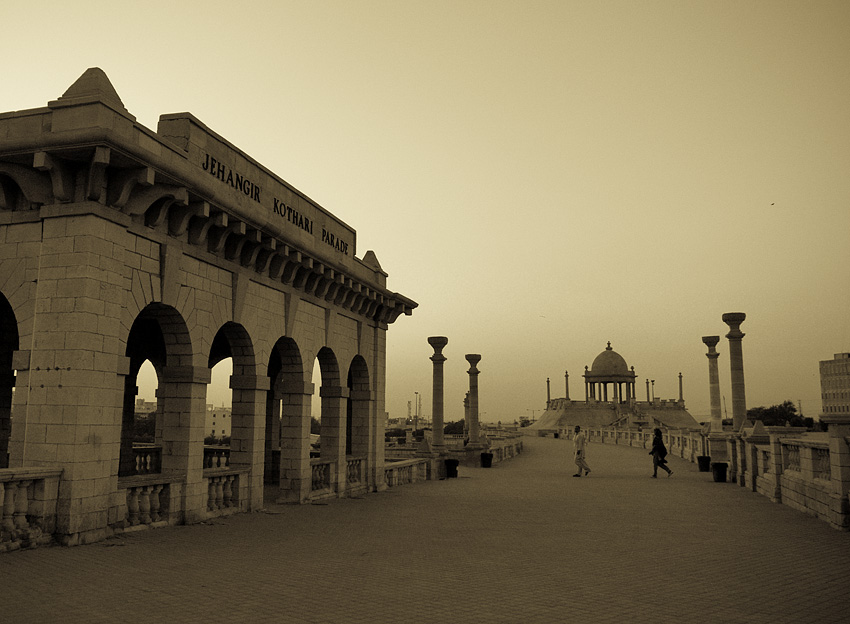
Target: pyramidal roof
column 92, row 86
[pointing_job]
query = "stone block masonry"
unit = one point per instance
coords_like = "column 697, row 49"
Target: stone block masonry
column 117, row 248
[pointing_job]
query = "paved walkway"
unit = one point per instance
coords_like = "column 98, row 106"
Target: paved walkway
column 520, row 542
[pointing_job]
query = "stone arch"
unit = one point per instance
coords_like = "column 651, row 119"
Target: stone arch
column 232, row 341
column 9, row 341
column 159, row 334
column 287, row 418
column 247, row 399
column 359, row 409
column 333, row 397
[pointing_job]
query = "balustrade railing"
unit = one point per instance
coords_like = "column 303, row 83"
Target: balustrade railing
column 27, row 507
column 764, row 460
column 790, row 456
column 222, row 492
column 410, row 471
column 216, row 457
column 320, row 474
column 147, row 504
column 820, row 463
column 147, row 459
column 354, row 470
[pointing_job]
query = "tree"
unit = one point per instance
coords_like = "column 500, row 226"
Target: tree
column 144, row 428
column 454, row 428
column 777, row 415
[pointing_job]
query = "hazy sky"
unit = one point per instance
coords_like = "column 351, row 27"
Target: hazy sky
column 542, row 177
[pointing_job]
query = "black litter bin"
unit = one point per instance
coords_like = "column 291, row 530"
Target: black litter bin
column 704, row 463
column 486, row 460
column 451, row 468
column 718, row 469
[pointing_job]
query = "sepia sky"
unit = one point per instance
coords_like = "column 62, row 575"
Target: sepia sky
column 541, row 177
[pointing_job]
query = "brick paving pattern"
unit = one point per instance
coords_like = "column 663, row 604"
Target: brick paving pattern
column 520, row 542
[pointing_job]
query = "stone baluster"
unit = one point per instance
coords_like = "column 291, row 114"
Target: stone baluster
column 219, row 493
column 154, row 503
column 133, row 506
column 7, row 524
column 144, row 505
column 211, row 495
column 227, row 491
column 21, row 505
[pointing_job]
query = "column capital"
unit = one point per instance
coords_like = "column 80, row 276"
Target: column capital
column 249, row 382
column 734, row 320
column 710, row 342
column 296, row 387
column 341, row 392
column 473, row 359
column 438, row 342
column 183, row 374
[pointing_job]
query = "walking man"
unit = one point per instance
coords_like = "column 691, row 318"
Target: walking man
column 659, row 453
column 580, row 442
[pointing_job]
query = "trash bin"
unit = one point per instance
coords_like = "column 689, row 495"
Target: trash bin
column 718, row 469
column 451, row 468
column 704, row 463
column 486, row 460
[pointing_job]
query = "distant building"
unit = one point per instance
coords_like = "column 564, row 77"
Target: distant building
column 218, row 421
column 145, row 409
column 835, row 384
column 610, row 400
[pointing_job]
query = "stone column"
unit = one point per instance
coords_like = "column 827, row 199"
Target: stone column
column 437, row 443
column 681, row 392
column 183, row 393
column 333, row 433
column 474, row 442
column 713, row 383
column 567, row 382
column 736, row 365
column 248, row 413
column 294, row 399
column 548, row 394
column 647, row 391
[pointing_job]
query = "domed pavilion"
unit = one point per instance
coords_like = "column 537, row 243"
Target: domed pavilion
column 610, row 400
column 609, row 368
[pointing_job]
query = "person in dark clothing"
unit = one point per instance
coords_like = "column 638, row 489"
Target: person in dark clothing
column 659, row 452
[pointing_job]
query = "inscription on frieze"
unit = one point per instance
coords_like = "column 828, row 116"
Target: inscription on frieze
column 242, row 183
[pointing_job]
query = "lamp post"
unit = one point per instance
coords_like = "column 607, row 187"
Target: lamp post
column 416, row 413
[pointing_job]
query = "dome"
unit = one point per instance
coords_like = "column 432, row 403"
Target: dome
column 609, row 363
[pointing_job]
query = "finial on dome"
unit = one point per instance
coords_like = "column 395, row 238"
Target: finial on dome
column 608, row 348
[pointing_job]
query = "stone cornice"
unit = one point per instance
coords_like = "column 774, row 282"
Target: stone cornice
column 123, row 166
